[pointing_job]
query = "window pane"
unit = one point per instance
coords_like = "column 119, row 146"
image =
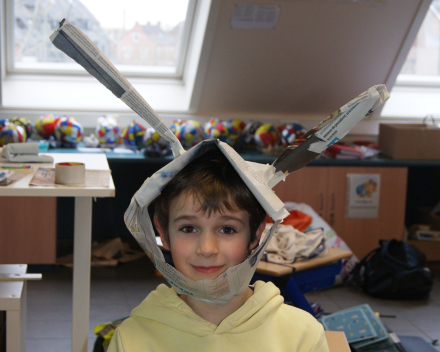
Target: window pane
column 424, row 55
column 136, row 35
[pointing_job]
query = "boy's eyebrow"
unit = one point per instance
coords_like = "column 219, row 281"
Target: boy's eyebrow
column 230, row 217
column 192, row 217
column 185, row 217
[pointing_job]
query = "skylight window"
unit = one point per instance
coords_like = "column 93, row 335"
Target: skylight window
column 423, row 61
column 146, row 38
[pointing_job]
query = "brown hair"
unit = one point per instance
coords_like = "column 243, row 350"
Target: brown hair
column 213, row 181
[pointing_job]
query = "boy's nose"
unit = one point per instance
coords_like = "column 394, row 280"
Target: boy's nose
column 207, row 244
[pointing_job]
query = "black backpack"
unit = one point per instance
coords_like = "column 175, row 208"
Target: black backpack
column 394, row 270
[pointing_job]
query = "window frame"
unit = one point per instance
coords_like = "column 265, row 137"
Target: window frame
column 34, row 94
column 414, row 97
column 72, row 69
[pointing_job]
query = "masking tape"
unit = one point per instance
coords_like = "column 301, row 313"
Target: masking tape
column 70, row 173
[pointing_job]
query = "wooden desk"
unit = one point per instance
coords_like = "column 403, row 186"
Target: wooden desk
column 82, row 232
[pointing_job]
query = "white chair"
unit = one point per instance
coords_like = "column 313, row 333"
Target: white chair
column 13, row 300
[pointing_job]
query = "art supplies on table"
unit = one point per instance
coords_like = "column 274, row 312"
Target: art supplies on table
column 10, row 173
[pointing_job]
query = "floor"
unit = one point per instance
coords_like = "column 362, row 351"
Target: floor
column 115, row 291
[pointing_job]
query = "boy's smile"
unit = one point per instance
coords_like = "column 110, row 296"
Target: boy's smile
column 205, row 246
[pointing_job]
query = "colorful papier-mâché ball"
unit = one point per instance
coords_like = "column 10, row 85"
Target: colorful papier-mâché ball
column 266, row 135
column 190, row 133
column 46, row 125
column 235, row 129
column 238, row 124
column 175, row 125
column 25, row 123
column 134, row 134
column 69, row 130
column 151, row 137
column 290, row 132
column 212, row 122
column 12, row 133
column 3, row 123
column 108, row 130
column 249, row 131
column 220, row 132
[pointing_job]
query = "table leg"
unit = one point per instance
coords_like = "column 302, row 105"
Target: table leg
column 81, row 273
column 14, row 332
column 23, row 316
column 297, row 297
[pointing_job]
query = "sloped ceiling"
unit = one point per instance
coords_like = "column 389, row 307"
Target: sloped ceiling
column 320, row 55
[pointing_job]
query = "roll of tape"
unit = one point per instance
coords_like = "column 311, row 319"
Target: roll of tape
column 70, row 173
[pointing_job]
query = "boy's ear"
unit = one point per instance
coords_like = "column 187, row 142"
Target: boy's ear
column 159, row 229
column 254, row 244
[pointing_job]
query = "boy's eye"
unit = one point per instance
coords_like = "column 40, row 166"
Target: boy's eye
column 227, row 230
column 188, row 229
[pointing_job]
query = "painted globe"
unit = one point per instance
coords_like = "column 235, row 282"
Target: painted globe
column 46, row 125
column 108, row 130
column 175, row 125
column 266, row 135
column 207, row 128
column 220, row 131
column 249, row 131
column 134, row 134
column 190, row 133
column 12, row 133
column 25, row 123
column 151, row 137
column 69, row 130
column 235, row 129
column 240, row 125
column 3, row 123
column 290, row 132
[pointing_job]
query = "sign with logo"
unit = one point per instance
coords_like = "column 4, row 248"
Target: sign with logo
column 363, row 193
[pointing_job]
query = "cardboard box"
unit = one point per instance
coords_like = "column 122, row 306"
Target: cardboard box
column 410, row 141
column 424, row 216
column 430, row 248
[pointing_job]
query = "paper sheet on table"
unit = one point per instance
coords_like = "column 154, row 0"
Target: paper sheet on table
column 12, row 175
column 94, row 178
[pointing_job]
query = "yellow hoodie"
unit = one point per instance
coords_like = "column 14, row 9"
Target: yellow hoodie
column 164, row 322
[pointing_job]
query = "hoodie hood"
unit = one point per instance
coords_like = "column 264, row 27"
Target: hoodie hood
column 164, row 306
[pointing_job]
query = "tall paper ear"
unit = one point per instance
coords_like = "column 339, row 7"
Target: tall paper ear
column 330, row 130
column 80, row 48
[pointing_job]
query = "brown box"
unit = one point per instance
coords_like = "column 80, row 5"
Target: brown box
column 430, row 248
column 425, row 217
column 410, row 141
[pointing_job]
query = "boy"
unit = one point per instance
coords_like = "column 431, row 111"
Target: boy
column 210, row 221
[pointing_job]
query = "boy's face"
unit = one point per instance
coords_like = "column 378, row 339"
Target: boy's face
column 204, row 247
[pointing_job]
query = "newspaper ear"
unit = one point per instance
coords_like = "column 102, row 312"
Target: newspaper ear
column 80, row 48
column 329, row 131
